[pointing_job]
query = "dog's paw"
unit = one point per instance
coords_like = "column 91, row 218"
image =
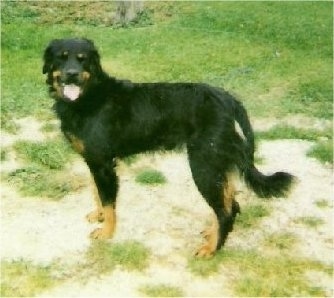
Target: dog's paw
column 205, row 251
column 101, row 234
column 95, row 216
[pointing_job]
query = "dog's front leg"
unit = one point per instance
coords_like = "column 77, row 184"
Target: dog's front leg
column 106, row 182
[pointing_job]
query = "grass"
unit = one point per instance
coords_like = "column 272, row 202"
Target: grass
column 251, row 215
column 282, row 241
column 291, row 132
column 34, row 181
column 54, row 154
column 104, row 257
column 150, row 177
column 276, row 56
column 234, row 45
column 24, row 279
column 310, row 221
column 161, row 290
column 323, row 203
column 323, row 151
column 261, row 275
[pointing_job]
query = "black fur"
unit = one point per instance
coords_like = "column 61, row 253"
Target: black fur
column 117, row 118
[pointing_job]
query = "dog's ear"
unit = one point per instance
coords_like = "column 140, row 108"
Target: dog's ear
column 95, row 58
column 48, row 56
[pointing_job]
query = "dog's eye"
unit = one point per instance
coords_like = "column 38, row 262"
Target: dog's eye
column 81, row 57
column 64, row 55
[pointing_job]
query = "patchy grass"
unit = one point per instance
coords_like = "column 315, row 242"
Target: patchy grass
column 290, row 132
column 310, row 221
column 251, row 215
column 130, row 160
column 323, row 203
column 53, row 154
column 281, row 241
column 323, row 151
column 261, row 275
column 104, row 257
column 24, row 279
column 161, row 290
column 34, row 181
column 150, row 177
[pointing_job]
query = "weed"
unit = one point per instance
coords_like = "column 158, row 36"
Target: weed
column 281, row 241
column 290, row 132
column 50, row 127
column 105, row 257
column 260, row 275
column 23, row 279
column 161, row 290
column 38, row 182
column 130, row 160
column 151, row 177
column 322, row 204
column 51, row 154
column 310, row 221
column 251, row 215
column 323, row 151
column 4, row 153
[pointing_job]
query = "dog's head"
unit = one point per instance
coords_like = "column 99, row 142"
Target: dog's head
column 71, row 66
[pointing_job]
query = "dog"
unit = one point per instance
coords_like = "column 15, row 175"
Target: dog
column 106, row 119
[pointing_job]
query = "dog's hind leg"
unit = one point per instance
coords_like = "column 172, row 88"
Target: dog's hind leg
column 216, row 186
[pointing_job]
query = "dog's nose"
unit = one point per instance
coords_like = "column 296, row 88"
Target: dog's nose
column 72, row 72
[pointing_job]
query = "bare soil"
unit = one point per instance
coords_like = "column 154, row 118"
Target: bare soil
column 167, row 219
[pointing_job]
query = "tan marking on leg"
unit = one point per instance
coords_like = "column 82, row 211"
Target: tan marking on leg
column 108, row 226
column 96, row 215
column 211, row 236
column 76, row 143
column 229, row 192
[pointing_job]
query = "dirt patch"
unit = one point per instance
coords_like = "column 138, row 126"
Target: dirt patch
column 167, row 219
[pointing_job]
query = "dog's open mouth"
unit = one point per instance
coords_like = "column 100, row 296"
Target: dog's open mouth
column 71, row 91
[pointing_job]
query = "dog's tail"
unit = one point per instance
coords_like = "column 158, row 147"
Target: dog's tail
column 275, row 185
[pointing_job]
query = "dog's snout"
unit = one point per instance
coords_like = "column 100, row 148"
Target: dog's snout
column 72, row 72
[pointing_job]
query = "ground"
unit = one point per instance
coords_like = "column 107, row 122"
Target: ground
column 167, row 219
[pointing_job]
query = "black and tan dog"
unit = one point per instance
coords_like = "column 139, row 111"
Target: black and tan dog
column 105, row 119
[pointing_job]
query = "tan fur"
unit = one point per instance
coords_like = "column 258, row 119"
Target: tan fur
column 229, row 191
column 108, row 226
column 76, row 143
column 211, row 235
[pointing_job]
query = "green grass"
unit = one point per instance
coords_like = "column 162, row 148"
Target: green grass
column 54, row 154
column 34, row 181
column 103, row 257
column 24, row 279
column 161, row 290
column 310, row 221
column 251, row 215
column 257, row 275
column 150, row 177
column 250, row 48
column 290, row 132
column 282, row 241
column 323, row 151
column 323, row 203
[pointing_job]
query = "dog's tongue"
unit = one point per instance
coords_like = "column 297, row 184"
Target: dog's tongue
column 72, row 91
